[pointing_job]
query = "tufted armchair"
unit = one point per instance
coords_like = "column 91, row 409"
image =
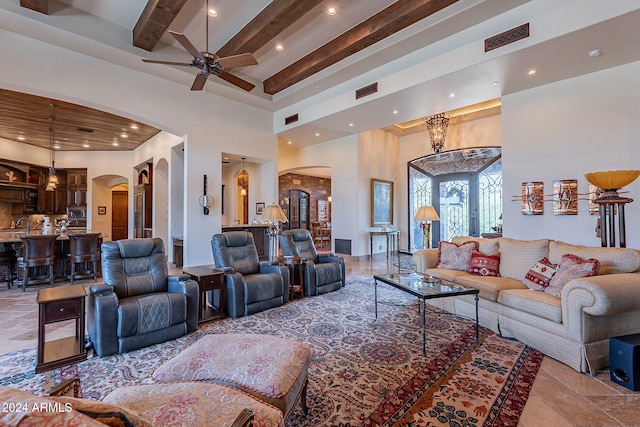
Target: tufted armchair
column 322, row 273
column 139, row 303
column 251, row 286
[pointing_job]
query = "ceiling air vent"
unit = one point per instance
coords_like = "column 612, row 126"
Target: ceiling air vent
column 290, row 119
column 367, row 90
column 87, row 130
column 509, row 36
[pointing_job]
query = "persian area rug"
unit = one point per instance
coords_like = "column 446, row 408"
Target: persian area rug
column 363, row 372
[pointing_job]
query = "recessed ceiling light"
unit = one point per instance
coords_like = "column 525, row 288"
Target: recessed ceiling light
column 279, row 47
column 212, row 12
column 331, row 11
column 86, row 145
column 351, row 124
column 532, row 72
column 495, row 83
column 317, row 133
column 452, row 95
column 21, row 138
column 595, row 52
column 124, row 135
column 114, row 143
column 289, row 142
column 395, row 111
column 57, row 147
column 134, row 126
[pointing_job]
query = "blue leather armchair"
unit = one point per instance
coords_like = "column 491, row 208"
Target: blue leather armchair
column 322, row 273
column 139, row 303
column 251, row 286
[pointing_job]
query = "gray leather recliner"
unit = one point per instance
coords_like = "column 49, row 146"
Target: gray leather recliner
column 139, row 303
column 322, row 273
column 251, row 286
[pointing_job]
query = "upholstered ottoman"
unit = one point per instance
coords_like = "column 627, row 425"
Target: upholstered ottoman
column 272, row 369
column 193, row 404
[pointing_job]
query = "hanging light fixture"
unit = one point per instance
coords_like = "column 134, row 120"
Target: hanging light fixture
column 53, row 179
column 437, row 128
column 243, row 190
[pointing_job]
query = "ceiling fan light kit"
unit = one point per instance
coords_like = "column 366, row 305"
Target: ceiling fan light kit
column 209, row 63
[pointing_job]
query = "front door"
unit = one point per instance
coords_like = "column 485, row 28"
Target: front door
column 454, row 195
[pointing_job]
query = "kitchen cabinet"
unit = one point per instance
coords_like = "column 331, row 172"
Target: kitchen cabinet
column 76, row 187
column 53, row 202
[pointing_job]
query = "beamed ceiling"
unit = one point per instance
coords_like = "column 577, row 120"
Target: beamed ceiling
column 27, row 116
column 321, row 52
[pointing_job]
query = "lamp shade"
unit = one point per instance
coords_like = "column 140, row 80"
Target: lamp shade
column 612, row 180
column 273, row 213
column 426, row 213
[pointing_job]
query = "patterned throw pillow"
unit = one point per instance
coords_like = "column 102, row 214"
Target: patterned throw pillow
column 540, row 275
column 484, row 265
column 455, row 257
column 571, row 267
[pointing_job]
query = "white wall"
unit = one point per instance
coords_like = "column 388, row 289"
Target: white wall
column 208, row 124
column 562, row 131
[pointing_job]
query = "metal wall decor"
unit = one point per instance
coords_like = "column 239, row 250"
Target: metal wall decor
column 565, row 197
column 532, row 198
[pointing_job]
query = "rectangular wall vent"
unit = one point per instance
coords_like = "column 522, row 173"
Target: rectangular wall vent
column 509, row 36
column 367, row 90
column 291, row 119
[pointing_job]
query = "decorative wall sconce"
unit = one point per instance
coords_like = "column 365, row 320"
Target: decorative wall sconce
column 206, row 200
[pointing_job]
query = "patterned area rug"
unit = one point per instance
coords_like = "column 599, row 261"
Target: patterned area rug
column 364, row 372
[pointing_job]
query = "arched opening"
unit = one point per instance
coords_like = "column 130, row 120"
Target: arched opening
column 110, row 206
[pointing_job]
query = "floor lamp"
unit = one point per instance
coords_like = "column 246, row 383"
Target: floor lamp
column 273, row 214
column 426, row 214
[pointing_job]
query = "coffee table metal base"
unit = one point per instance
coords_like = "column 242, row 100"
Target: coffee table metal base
column 452, row 290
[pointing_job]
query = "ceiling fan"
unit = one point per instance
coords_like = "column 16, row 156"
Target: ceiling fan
column 209, row 63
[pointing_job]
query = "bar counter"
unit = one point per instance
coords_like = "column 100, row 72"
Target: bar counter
column 13, row 236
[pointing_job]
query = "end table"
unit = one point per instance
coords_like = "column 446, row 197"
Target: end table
column 292, row 262
column 56, row 305
column 209, row 279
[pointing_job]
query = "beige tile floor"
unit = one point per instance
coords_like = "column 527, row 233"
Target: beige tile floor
column 560, row 396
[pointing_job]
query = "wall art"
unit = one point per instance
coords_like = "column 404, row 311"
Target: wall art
column 565, row 197
column 533, row 198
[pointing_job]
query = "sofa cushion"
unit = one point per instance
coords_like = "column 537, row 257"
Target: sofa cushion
column 193, row 404
column 612, row 260
column 486, row 246
column 452, row 256
column 571, row 267
column 488, row 286
column 445, row 274
column 484, row 265
column 540, row 274
column 529, row 301
column 517, row 256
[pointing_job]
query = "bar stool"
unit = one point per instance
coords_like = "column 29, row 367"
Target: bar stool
column 84, row 249
column 7, row 260
column 37, row 254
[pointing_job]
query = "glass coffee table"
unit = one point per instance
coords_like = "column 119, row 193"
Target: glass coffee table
column 425, row 287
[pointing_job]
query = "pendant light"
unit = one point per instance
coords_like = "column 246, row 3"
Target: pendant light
column 243, row 191
column 53, row 179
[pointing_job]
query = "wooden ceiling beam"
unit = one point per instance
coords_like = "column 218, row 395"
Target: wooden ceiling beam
column 270, row 22
column 154, row 21
column 394, row 18
column 41, row 6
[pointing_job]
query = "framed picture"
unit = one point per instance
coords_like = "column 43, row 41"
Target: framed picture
column 102, row 210
column 565, row 197
column 323, row 213
column 532, row 198
column 259, row 208
column 381, row 202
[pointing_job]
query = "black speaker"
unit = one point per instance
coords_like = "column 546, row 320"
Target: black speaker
column 624, row 361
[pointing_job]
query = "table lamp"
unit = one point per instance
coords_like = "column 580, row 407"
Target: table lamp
column 273, row 214
column 426, row 214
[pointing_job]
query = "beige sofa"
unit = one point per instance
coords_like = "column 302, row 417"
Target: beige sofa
column 574, row 328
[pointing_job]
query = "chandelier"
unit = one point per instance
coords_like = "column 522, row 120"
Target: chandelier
column 437, row 128
column 53, row 179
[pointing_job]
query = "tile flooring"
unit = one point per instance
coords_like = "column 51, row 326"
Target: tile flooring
column 560, row 397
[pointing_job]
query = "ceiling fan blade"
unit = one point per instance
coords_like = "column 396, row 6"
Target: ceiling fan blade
column 241, row 60
column 184, row 41
column 199, row 82
column 153, row 61
column 234, row 80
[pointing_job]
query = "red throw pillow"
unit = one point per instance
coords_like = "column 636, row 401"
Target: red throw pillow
column 539, row 276
column 455, row 257
column 484, row 265
column 571, row 267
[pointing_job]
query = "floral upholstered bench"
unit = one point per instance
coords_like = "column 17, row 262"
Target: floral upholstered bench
column 272, row 369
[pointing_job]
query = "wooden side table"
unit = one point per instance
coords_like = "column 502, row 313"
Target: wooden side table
column 57, row 305
column 291, row 262
column 211, row 283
